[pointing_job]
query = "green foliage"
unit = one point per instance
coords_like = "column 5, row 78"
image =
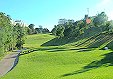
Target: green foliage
column 60, row 31
column 109, row 24
column 100, row 19
column 54, row 30
column 5, row 32
column 45, row 30
column 31, row 29
column 10, row 34
column 41, row 30
column 20, row 35
column 81, row 29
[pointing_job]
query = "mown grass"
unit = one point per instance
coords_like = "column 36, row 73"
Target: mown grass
column 37, row 40
column 61, row 62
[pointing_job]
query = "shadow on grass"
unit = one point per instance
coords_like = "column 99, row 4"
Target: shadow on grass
column 83, row 49
column 88, row 39
column 95, row 41
column 62, row 41
column 57, row 41
column 101, row 41
column 54, row 49
column 106, row 61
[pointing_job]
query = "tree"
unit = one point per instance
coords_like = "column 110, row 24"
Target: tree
column 53, row 31
column 100, row 19
column 109, row 26
column 20, row 35
column 6, row 32
column 45, row 30
column 32, row 31
column 40, row 29
column 29, row 31
column 68, row 28
column 60, row 31
column 37, row 30
column 11, row 36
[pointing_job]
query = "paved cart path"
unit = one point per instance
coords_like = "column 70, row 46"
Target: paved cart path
column 8, row 62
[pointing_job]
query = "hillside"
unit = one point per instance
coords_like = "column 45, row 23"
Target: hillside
column 56, row 39
column 62, row 62
column 92, row 38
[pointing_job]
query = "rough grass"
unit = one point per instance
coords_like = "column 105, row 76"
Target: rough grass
column 61, row 62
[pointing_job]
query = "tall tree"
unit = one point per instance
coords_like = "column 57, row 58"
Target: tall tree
column 60, row 31
column 31, row 26
column 20, row 35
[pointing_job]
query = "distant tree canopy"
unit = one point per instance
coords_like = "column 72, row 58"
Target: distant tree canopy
column 75, row 29
column 11, row 36
column 100, row 19
column 32, row 30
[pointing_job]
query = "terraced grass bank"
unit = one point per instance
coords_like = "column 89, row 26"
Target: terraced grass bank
column 61, row 62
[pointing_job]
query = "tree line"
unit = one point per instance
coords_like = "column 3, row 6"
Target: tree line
column 32, row 30
column 11, row 36
column 75, row 29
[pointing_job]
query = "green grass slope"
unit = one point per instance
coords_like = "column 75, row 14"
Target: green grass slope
column 97, row 41
column 92, row 37
column 61, row 62
column 37, row 40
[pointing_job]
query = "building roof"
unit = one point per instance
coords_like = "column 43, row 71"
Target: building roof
column 88, row 21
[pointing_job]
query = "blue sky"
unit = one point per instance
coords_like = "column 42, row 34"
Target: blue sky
column 47, row 12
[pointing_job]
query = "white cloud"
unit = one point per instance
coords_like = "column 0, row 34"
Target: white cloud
column 110, row 15
column 106, row 6
column 103, row 3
